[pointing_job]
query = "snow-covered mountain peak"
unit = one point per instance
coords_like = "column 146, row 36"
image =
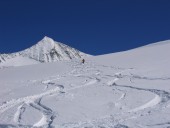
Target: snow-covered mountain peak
column 46, row 44
column 46, row 50
column 46, row 40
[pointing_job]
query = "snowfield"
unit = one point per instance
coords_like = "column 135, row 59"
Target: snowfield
column 130, row 89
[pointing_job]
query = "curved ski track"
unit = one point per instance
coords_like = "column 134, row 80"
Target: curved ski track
column 161, row 99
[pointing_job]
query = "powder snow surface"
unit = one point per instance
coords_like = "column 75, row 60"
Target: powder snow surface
column 129, row 89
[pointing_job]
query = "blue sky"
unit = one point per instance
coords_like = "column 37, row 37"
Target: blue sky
column 92, row 26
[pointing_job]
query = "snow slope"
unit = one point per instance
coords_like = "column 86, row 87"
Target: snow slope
column 19, row 61
column 46, row 50
column 122, row 90
column 150, row 57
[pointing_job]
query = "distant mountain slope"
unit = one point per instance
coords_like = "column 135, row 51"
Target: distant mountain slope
column 152, row 57
column 46, row 50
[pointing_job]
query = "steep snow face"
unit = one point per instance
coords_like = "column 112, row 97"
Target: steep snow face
column 46, row 50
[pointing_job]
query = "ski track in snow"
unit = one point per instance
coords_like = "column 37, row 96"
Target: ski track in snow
column 34, row 101
column 122, row 96
column 27, row 99
column 18, row 114
column 161, row 96
column 47, row 114
column 149, row 104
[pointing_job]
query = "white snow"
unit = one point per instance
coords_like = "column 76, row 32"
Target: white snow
column 129, row 89
column 151, row 103
column 46, row 50
column 19, row 61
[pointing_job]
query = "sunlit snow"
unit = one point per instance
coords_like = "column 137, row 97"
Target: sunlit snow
column 128, row 89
